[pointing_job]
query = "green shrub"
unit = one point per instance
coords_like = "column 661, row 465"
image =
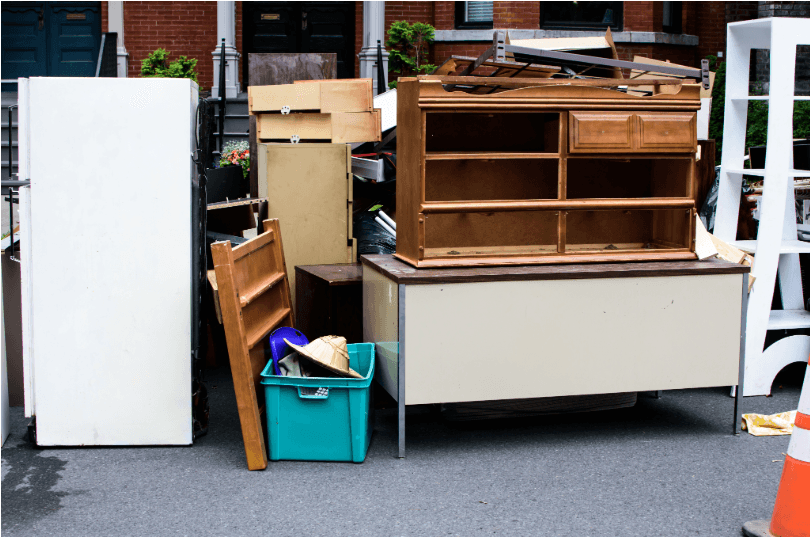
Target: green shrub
column 408, row 48
column 155, row 65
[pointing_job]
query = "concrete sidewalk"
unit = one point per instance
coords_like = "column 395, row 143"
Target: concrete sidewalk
column 667, row 466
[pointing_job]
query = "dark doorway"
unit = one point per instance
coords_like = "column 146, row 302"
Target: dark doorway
column 50, row 39
column 300, row 27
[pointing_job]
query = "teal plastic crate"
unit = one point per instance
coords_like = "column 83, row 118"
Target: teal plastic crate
column 305, row 424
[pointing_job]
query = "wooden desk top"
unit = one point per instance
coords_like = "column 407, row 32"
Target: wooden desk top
column 341, row 274
column 403, row 273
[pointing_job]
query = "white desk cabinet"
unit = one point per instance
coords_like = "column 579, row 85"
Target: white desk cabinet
column 477, row 334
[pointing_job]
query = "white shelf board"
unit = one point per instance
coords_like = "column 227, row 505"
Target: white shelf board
column 788, row 319
column 761, row 173
column 788, row 247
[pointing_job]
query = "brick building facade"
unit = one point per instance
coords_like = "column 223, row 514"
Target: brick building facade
column 190, row 28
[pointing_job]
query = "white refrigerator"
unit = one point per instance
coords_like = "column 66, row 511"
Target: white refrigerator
column 107, row 260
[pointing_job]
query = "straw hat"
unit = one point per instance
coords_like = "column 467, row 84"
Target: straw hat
column 329, row 352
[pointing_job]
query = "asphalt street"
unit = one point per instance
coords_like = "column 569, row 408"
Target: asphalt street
column 666, row 466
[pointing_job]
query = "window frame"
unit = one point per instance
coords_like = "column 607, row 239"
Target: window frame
column 618, row 26
column 461, row 19
column 676, row 17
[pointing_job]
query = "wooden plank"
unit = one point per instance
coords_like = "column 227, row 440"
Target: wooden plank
column 286, row 296
column 305, row 126
column 238, row 353
column 353, row 127
column 256, row 336
column 253, row 137
column 410, row 145
column 268, row 283
column 403, row 273
column 307, row 189
column 528, row 82
column 347, row 95
column 268, row 69
column 298, row 97
column 549, row 205
column 335, row 275
column 252, row 245
column 647, row 76
column 212, row 281
column 234, row 203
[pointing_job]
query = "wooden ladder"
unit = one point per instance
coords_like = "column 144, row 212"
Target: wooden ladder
column 254, row 296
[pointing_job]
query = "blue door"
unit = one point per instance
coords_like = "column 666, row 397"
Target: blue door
column 50, row 39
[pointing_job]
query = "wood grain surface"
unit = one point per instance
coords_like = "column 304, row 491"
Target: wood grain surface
column 403, row 273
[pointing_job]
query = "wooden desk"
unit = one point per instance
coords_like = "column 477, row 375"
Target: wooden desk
column 491, row 333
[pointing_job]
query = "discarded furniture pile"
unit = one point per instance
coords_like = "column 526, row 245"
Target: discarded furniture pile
column 518, row 233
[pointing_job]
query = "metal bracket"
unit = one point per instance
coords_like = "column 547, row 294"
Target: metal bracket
column 704, row 73
column 285, row 110
column 295, row 139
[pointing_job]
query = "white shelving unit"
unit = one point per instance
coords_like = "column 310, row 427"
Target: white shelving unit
column 776, row 245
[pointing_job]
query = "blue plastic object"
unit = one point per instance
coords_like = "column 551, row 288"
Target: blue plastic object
column 321, row 419
column 279, row 349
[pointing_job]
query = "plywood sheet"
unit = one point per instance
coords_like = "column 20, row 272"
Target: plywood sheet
column 305, row 126
column 267, row 69
column 307, row 187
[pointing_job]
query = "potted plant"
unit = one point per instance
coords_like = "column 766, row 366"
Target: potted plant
column 229, row 180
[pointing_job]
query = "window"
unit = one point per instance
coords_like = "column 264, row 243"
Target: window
column 672, row 17
column 581, row 15
column 473, row 15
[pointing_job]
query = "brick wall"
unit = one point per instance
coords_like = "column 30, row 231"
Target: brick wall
column 183, row 28
column 638, row 16
column 105, row 19
column 516, row 15
column 444, row 15
column 710, row 27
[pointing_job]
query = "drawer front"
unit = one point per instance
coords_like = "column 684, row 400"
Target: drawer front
column 667, row 132
column 306, row 126
column 600, row 132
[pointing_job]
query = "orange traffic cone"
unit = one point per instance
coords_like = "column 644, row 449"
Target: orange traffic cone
column 791, row 513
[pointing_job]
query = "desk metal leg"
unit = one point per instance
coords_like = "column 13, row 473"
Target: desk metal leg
column 401, row 374
column 741, row 377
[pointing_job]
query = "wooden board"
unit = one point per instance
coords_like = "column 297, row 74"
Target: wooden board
column 337, row 127
column 305, row 126
column 267, row 69
column 308, row 187
column 254, row 296
column 403, row 273
column 651, row 74
column 353, row 127
column 326, row 96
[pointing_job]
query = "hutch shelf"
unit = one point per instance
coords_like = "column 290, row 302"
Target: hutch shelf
column 546, row 173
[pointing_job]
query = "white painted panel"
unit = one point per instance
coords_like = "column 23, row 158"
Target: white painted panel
column 381, row 326
column 25, row 297
column 111, row 297
column 4, row 415
column 502, row 340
